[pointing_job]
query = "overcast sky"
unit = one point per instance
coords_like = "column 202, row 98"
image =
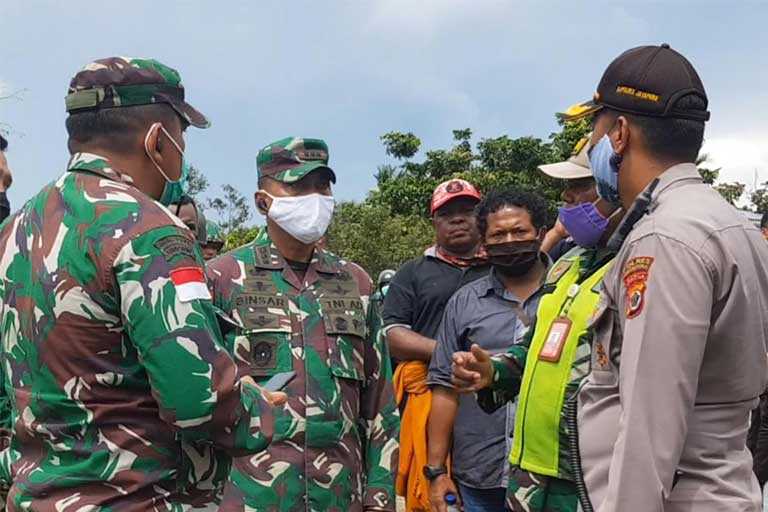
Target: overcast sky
column 349, row 71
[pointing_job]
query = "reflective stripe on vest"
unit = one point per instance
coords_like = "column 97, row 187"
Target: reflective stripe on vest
column 536, row 441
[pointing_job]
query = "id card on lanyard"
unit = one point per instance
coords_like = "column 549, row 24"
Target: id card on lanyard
column 558, row 330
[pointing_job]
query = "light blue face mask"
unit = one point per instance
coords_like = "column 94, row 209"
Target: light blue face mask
column 173, row 189
column 604, row 163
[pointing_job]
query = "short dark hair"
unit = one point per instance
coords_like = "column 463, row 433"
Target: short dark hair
column 187, row 199
column 497, row 200
column 764, row 220
column 672, row 138
column 115, row 127
column 3, row 143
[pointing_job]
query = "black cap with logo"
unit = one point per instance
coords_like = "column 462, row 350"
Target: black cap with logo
column 646, row 81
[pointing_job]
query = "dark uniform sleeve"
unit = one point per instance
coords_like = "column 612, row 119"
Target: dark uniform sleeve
column 508, row 372
column 399, row 304
column 167, row 314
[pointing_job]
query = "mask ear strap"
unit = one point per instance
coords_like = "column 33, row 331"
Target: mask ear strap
column 173, row 141
column 149, row 153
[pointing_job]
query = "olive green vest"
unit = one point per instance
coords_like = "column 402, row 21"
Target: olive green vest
column 536, row 441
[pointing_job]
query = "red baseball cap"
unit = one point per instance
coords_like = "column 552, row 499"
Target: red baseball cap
column 450, row 190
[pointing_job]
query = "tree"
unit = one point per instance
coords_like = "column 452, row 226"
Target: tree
column 564, row 141
column 401, row 145
column 375, row 238
column 708, row 175
column 232, row 209
column 759, row 199
column 197, row 183
column 731, row 192
column 240, row 236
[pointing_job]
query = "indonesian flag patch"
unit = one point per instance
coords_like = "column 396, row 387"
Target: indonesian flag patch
column 635, row 277
column 190, row 284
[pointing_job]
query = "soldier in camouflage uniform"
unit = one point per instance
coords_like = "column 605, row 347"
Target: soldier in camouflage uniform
column 214, row 241
column 304, row 310
column 110, row 345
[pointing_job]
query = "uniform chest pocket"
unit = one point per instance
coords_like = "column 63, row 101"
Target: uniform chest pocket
column 263, row 348
column 266, row 353
column 344, row 322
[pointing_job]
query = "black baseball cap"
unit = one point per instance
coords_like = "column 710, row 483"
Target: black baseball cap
column 646, row 81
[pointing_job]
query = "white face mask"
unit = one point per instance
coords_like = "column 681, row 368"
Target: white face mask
column 305, row 218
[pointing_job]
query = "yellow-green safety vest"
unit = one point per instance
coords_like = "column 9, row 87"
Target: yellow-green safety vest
column 536, row 441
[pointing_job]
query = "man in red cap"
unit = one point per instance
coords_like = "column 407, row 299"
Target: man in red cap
column 412, row 313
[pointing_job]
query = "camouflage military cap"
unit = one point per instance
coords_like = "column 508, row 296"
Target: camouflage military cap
column 214, row 233
column 290, row 159
column 124, row 82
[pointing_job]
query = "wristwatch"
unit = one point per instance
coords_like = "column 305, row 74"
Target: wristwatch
column 432, row 472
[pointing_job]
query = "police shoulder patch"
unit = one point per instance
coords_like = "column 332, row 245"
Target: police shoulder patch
column 174, row 246
column 635, row 277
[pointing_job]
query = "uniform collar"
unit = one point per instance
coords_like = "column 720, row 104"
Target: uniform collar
column 481, row 258
column 268, row 257
column 96, row 164
column 674, row 175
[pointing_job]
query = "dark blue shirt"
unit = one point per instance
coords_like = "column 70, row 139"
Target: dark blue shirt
column 481, row 312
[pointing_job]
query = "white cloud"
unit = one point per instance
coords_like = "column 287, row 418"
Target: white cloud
column 741, row 156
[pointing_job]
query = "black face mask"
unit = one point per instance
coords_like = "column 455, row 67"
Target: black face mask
column 514, row 259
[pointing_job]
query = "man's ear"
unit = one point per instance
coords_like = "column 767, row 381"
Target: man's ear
column 153, row 145
column 620, row 135
column 542, row 234
column 263, row 201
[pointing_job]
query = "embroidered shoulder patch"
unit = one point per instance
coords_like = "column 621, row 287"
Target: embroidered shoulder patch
column 635, row 277
column 173, row 246
column 557, row 271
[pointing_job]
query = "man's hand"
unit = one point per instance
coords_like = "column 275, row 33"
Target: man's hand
column 472, row 371
column 438, row 488
column 273, row 397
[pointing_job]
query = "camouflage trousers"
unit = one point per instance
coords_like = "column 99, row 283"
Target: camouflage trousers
column 528, row 492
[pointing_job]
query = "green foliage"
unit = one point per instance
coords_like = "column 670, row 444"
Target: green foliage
column 372, row 236
column 232, row 209
column 197, row 183
column 401, row 145
column 240, row 236
column 731, row 192
column 392, row 225
column 708, row 175
column 759, row 199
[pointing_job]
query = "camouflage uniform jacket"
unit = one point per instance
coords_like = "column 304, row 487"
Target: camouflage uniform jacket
column 340, row 451
column 108, row 357
column 509, row 368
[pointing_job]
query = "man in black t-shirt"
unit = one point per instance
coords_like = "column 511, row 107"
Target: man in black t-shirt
column 419, row 291
column 413, row 309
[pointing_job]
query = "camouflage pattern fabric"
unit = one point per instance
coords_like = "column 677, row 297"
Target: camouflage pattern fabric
column 525, row 489
column 213, row 233
column 290, row 159
column 130, row 81
column 340, row 451
column 528, row 492
column 108, row 358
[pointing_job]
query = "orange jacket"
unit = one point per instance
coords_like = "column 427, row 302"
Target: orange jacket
column 411, row 378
